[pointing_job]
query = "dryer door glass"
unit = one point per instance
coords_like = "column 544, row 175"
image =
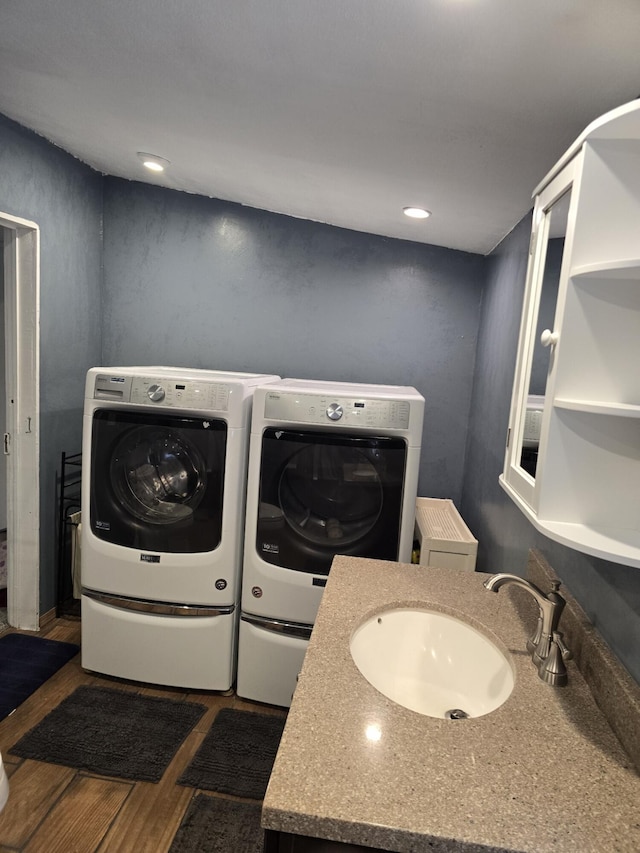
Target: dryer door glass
column 157, row 482
column 330, row 496
column 322, row 494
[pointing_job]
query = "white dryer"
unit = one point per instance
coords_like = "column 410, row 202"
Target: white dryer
column 333, row 469
column 163, row 490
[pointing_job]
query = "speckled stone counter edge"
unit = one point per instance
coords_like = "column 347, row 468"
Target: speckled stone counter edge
column 532, row 730
column 614, row 690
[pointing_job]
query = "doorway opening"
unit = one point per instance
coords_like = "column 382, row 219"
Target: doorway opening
column 19, row 390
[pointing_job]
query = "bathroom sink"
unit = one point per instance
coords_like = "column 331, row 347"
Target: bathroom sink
column 432, row 663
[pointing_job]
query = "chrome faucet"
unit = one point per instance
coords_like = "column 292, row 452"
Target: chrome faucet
column 548, row 651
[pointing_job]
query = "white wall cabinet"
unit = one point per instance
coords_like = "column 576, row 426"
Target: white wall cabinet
column 583, row 487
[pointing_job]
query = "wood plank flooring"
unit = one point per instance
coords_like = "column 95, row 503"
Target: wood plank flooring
column 54, row 809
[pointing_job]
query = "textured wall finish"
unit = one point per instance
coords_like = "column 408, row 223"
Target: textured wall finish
column 198, row 282
column 43, row 184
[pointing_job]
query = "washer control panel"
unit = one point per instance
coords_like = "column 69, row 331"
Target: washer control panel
column 164, row 392
column 322, row 409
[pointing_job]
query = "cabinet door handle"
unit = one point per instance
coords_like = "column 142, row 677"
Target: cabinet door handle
column 549, row 338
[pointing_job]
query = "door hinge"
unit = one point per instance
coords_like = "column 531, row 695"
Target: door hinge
column 508, row 436
column 7, row 442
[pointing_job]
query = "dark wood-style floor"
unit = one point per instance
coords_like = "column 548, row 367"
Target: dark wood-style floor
column 55, row 809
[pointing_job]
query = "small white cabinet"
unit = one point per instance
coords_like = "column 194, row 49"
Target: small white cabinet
column 581, row 484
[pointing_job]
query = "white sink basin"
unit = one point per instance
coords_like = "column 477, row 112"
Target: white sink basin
column 432, row 663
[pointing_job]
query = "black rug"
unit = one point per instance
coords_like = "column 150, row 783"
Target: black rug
column 112, row 732
column 216, row 825
column 237, row 754
column 25, row 664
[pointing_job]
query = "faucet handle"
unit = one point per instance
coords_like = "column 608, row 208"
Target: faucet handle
column 551, row 669
column 566, row 653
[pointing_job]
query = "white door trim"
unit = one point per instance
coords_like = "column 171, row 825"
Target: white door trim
column 22, row 348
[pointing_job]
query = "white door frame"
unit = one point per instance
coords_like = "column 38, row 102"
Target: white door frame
column 22, row 440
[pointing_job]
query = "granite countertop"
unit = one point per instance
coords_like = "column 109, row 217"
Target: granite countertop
column 544, row 772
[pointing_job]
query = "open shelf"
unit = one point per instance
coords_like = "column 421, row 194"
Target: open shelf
column 624, row 268
column 598, row 336
column 599, row 407
column 609, row 543
column 608, row 215
column 591, row 471
column 620, row 545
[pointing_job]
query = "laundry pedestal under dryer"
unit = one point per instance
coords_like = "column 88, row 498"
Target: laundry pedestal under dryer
column 333, row 469
column 165, row 456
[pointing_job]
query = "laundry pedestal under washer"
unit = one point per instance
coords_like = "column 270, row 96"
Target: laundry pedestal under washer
column 163, row 487
column 333, row 469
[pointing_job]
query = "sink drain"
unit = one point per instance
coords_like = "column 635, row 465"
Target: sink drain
column 455, row 714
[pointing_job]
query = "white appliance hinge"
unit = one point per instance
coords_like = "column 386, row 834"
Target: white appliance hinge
column 7, row 442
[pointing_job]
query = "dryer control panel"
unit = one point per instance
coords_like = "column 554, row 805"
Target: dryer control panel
column 164, row 392
column 323, row 409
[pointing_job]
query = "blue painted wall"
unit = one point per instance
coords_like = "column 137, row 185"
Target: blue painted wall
column 41, row 183
column 609, row 593
column 198, row 282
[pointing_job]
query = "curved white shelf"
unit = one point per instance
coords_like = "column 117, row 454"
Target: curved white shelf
column 598, row 407
column 616, row 544
column 609, row 543
column 621, row 268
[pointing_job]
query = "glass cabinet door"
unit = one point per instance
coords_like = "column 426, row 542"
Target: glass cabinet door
column 548, row 251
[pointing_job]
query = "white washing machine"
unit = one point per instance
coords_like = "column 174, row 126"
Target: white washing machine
column 333, row 469
column 163, row 488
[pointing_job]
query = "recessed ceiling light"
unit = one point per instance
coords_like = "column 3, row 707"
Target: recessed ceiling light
column 153, row 162
column 416, row 212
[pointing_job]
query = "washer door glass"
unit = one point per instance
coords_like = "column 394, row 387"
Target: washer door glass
column 157, row 480
column 159, row 475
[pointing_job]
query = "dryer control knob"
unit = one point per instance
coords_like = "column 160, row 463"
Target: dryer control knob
column 155, row 393
column 334, row 411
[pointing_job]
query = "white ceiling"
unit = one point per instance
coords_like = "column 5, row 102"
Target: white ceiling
column 341, row 111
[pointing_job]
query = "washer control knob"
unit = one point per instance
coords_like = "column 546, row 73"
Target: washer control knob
column 155, row 393
column 334, row 411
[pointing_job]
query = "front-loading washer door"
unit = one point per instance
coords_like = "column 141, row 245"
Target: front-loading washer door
column 157, row 482
column 323, row 494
